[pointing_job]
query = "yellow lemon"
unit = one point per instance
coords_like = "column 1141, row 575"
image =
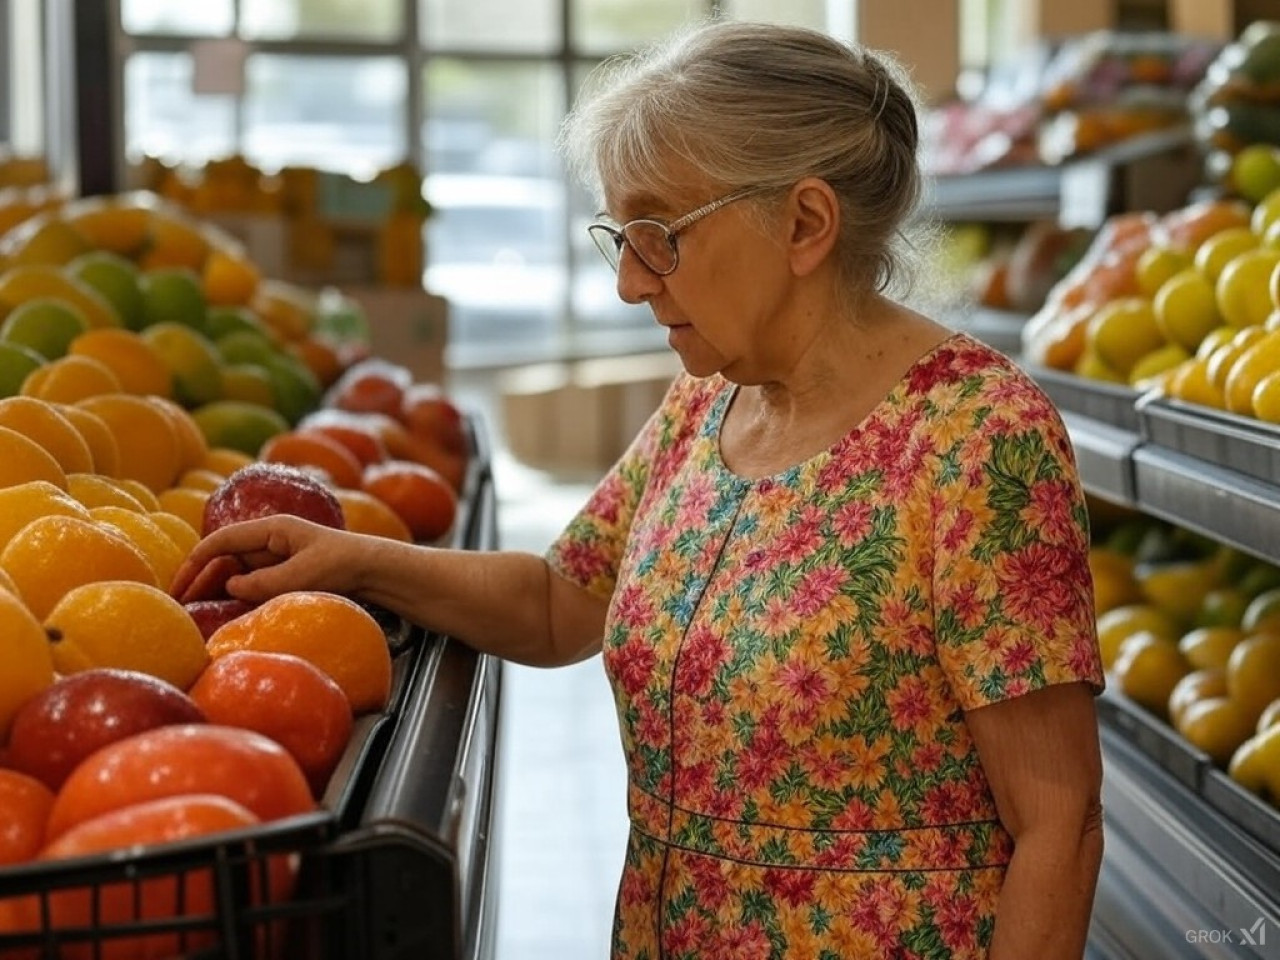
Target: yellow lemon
column 1206, row 647
column 1186, row 309
column 1147, row 668
column 1122, row 331
column 1120, row 623
column 1253, row 363
column 1243, row 288
column 1216, row 725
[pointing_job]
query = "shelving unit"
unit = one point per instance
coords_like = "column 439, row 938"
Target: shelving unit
column 1192, row 863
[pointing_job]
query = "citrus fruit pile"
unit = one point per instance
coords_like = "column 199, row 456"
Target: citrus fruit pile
column 1190, row 631
column 144, row 364
column 1187, row 302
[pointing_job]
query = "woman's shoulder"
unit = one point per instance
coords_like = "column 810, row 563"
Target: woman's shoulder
column 963, row 371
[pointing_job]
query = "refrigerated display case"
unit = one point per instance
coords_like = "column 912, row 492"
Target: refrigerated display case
column 396, row 862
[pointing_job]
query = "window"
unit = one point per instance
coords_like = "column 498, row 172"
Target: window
column 472, row 91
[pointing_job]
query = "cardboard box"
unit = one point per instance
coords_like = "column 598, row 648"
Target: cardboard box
column 578, row 418
column 923, row 34
column 407, row 326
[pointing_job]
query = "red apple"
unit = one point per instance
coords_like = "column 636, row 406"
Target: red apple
column 265, row 489
column 209, row 615
column 79, row 713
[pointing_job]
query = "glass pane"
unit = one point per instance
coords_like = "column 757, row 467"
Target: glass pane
column 338, row 19
column 495, row 244
column 181, row 17
column 531, row 25
column 607, row 26
column 163, row 118
column 798, row 13
column 344, row 114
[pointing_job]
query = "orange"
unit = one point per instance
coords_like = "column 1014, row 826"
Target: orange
column 69, row 379
column 157, row 546
column 157, row 898
column 320, row 357
column 93, row 490
column 175, row 241
column 364, row 513
column 225, row 460
column 284, row 697
column 198, row 478
column 191, row 441
column 54, row 554
column 403, row 444
column 138, row 490
column 151, row 451
column 364, row 442
column 22, row 459
column 110, row 223
column 28, row 664
column 179, row 531
column 314, row 452
column 22, row 503
column 174, row 760
column 332, row 632
column 419, row 495
column 44, row 423
column 288, row 310
column 26, row 803
column 131, row 358
column 126, row 625
column 185, row 502
column 25, row 282
column 101, row 441
column 229, row 278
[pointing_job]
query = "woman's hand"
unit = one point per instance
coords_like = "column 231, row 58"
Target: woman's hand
column 268, row 557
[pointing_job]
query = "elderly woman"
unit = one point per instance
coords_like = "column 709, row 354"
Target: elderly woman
column 839, row 580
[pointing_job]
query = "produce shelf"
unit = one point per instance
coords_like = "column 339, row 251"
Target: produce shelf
column 1177, row 875
column 1159, row 741
column 394, row 863
column 1223, row 439
column 1145, row 172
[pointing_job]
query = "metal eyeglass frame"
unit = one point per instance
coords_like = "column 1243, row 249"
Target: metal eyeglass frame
column 609, row 239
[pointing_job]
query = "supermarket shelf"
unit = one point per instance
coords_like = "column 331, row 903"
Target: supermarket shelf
column 1178, row 875
column 1104, row 457
column 1082, row 193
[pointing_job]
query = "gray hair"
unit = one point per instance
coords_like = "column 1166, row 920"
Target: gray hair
column 754, row 104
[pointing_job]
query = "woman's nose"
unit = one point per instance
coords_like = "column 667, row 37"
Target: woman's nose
column 636, row 282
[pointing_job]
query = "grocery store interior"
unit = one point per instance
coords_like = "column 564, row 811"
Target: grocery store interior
column 1103, row 182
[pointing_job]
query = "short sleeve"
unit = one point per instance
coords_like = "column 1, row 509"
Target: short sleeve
column 589, row 551
column 1012, row 589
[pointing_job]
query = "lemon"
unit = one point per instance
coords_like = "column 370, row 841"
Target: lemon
column 128, row 626
column 1265, row 212
column 1191, row 383
column 1253, row 672
column 1243, row 289
column 1270, row 716
column 24, row 650
column 1265, row 399
column 1214, row 339
column 1186, row 309
column 1206, row 647
column 1255, row 170
column 1157, row 264
column 1122, row 331
column 1154, row 368
column 1253, row 363
column 1252, row 763
column 1195, row 686
column 1221, row 248
column 1147, row 668
column 1223, row 358
column 1178, row 587
column 1216, row 725
column 1120, row 623
column 1113, row 581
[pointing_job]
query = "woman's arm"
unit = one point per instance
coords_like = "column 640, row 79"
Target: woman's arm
column 512, row 605
column 1041, row 756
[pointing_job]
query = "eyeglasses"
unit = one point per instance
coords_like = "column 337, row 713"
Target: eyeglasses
column 653, row 241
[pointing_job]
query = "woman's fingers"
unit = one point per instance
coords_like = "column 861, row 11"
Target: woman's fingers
column 249, row 539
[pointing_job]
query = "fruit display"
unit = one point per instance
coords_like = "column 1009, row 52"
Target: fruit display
column 1190, row 631
column 153, row 387
column 1237, row 104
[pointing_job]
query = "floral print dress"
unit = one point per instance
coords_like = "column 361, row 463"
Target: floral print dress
column 792, row 657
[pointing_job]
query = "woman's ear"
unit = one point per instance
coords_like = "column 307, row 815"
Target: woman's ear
column 813, row 220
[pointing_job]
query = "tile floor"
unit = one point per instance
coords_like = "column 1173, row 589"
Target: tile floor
column 562, row 804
